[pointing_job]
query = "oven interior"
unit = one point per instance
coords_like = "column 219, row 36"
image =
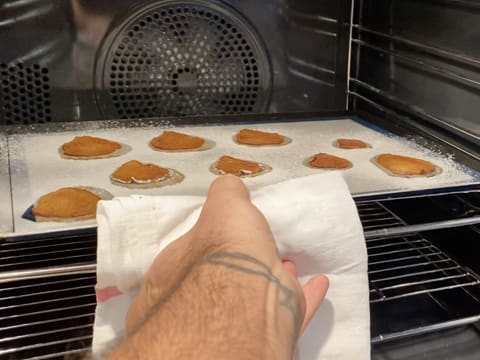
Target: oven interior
column 411, row 67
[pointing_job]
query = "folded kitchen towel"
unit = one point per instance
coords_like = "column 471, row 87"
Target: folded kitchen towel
column 314, row 222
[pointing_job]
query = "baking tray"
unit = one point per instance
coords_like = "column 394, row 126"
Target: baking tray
column 36, row 167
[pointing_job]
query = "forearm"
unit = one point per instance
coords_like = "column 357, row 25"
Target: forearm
column 226, row 307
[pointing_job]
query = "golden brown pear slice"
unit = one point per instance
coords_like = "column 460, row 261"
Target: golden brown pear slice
column 260, row 138
column 69, row 204
column 351, row 144
column 90, row 147
column 399, row 165
column 175, row 141
column 239, row 167
column 328, row 161
column 144, row 175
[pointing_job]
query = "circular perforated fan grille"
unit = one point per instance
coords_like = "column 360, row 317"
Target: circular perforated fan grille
column 188, row 58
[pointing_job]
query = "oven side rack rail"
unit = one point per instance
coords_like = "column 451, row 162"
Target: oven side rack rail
column 384, row 233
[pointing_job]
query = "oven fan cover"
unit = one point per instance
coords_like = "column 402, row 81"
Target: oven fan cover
column 182, row 58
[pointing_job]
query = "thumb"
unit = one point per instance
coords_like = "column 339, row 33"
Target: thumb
column 314, row 291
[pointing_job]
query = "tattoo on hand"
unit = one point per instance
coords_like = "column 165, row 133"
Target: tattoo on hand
column 250, row 265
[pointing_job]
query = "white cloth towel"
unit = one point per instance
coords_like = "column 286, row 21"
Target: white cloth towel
column 315, row 224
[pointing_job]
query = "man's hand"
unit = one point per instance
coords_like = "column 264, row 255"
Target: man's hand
column 221, row 290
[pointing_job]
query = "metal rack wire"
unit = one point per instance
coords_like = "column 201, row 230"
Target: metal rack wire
column 409, row 269
column 53, row 250
column 48, row 318
column 411, row 265
column 375, row 216
column 407, row 265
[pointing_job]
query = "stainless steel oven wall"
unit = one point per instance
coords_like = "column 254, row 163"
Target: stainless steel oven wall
column 419, row 59
column 64, row 60
column 6, row 220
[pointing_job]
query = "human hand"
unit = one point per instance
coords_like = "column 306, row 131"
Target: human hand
column 224, row 279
